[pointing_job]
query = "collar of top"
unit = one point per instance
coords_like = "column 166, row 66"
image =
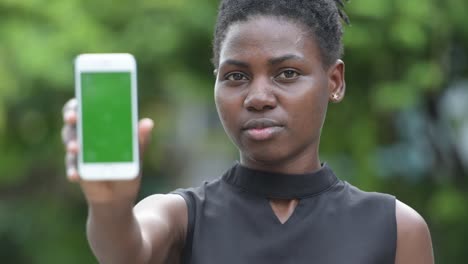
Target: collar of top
column 280, row 185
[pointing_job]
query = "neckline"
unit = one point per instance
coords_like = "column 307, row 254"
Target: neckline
column 280, row 185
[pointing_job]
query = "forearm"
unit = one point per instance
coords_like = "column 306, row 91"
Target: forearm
column 114, row 234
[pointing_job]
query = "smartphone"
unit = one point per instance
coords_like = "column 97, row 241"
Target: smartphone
column 106, row 91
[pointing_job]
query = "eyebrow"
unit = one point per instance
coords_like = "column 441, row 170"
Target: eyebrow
column 272, row 61
column 275, row 61
column 236, row 63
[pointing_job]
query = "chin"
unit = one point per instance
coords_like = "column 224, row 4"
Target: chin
column 265, row 156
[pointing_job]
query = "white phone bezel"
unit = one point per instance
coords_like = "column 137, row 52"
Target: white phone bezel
column 108, row 63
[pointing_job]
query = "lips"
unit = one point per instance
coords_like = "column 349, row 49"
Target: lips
column 262, row 128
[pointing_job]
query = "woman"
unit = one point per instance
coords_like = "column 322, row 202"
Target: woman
column 277, row 68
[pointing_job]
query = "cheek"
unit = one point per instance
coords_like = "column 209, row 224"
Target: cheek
column 225, row 106
column 309, row 111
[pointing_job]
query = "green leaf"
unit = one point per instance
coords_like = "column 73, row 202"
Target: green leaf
column 394, row 96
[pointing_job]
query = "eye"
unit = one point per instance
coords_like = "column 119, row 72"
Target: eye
column 236, row 76
column 288, row 75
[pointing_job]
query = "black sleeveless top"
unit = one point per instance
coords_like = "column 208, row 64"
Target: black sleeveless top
column 231, row 221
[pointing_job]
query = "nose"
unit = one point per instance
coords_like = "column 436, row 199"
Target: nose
column 260, row 97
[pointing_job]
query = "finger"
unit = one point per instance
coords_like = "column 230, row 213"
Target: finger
column 69, row 111
column 69, row 117
column 70, row 164
column 72, row 175
column 72, row 147
column 145, row 127
column 68, row 134
column 70, row 105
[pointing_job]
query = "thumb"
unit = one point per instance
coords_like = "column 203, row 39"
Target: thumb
column 145, row 126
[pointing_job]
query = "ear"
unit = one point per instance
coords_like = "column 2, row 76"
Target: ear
column 336, row 82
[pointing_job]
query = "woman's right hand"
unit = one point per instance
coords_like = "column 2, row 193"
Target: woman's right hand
column 100, row 192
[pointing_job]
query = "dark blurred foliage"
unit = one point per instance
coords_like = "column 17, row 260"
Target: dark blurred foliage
column 402, row 128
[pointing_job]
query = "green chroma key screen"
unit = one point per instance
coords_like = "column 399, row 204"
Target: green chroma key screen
column 106, row 117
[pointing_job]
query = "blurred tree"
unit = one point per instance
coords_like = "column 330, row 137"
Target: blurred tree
column 393, row 133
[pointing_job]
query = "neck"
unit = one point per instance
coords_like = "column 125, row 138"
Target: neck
column 297, row 165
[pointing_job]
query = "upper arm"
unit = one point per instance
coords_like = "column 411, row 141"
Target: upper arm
column 163, row 223
column 414, row 244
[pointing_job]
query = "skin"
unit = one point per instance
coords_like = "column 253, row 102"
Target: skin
column 272, row 92
column 278, row 76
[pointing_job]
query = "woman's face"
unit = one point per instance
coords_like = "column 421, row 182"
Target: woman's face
column 272, row 93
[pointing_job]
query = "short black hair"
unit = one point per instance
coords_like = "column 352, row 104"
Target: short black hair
column 321, row 17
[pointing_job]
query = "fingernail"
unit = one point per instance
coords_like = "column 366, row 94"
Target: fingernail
column 72, row 146
column 149, row 122
column 68, row 115
column 71, row 172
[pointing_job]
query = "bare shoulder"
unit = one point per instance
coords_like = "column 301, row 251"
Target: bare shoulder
column 162, row 204
column 414, row 240
column 167, row 209
column 163, row 220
